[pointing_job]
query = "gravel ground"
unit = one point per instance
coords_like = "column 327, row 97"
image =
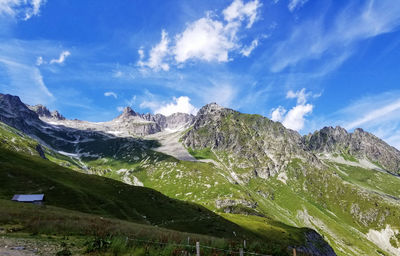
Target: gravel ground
column 10, row 246
column 170, row 145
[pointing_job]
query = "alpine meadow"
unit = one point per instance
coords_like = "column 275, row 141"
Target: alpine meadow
column 232, row 127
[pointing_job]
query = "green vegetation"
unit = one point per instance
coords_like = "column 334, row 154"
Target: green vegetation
column 93, row 194
column 205, row 153
column 339, row 201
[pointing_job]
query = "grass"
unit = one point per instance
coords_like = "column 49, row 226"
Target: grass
column 370, row 179
column 321, row 199
column 205, row 153
column 97, row 195
column 98, row 235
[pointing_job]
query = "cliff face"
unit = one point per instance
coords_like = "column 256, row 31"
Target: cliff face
column 16, row 114
column 359, row 144
column 251, row 141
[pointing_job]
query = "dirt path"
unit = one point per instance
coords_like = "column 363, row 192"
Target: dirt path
column 11, row 246
column 16, row 252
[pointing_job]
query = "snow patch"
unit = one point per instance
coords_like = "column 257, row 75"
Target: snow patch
column 382, row 239
column 68, row 154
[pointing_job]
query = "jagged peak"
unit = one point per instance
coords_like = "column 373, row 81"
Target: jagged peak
column 211, row 107
column 40, row 110
column 128, row 112
column 13, row 105
column 43, row 111
column 55, row 114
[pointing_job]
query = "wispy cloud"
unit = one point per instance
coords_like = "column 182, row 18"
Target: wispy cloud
column 29, row 86
column 62, row 58
column 157, row 55
column 314, row 39
column 247, row 50
column 111, row 94
column 293, row 4
column 22, row 9
column 378, row 114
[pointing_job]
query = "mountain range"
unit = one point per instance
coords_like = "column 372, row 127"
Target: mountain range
column 243, row 167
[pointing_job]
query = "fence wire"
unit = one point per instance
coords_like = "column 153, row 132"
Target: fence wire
column 201, row 246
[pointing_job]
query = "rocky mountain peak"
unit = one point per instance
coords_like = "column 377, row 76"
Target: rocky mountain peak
column 41, row 110
column 55, row 114
column 360, row 144
column 210, row 108
column 13, row 106
column 16, row 114
column 128, row 112
column 44, row 112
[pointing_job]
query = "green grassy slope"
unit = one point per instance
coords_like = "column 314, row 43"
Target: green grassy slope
column 192, row 181
column 344, row 203
column 93, row 194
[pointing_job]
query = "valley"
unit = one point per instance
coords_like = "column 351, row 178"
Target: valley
column 222, row 174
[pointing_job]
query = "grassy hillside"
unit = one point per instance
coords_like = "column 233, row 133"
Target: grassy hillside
column 93, row 194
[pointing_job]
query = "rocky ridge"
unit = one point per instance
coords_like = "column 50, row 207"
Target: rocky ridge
column 128, row 123
column 44, row 112
column 253, row 142
column 276, row 171
column 359, row 144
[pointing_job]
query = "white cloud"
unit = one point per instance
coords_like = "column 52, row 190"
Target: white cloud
column 39, row 61
column 180, row 105
column 278, row 114
column 301, row 96
column 239, row 11
column 113, row 94
column 246, row 51
column 314, row 39
column 293, row 4
column 62, row 58
column 210, row 39
column 294, row 118
column 207, row 39
column 157, row 55
column 24, row 9
column 120, row 109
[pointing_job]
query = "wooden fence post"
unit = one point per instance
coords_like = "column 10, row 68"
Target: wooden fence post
column 294, row 251
column 244, row 244
column 197, row 248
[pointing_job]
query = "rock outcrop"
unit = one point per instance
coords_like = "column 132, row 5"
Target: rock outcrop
column 252, row 141
column 359, row 144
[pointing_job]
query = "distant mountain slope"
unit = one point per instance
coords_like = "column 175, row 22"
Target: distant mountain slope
column 21, row 173
column 359, row 144
column 289, row 180
column 249, row 165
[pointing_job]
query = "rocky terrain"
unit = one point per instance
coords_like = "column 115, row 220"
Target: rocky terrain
column 360, row 144
column 338, row 183
column 129, row 123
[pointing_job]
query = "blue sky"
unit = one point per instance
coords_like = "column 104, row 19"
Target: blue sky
column 306, row 63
